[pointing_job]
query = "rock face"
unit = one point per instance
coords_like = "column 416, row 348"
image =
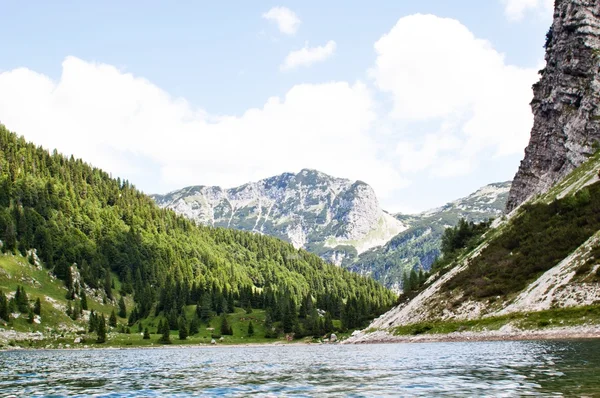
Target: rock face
column 326, row 215
column 566, row 99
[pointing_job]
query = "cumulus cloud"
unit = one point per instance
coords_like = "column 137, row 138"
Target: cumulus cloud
column 438, row 100
column 308, row 56
column 287, row 21
column 516, row 10
column 122, row 123
column 439, row 74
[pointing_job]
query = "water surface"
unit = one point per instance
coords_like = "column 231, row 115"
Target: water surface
column 545, row 368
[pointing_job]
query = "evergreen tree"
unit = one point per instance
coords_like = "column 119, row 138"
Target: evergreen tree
column 140, row 327
column 122, row 308
column 84, row 304
column 112, row 321
column 37, row 307
column 183, row 332
column 328, row 323
column 31, row 316
column 194, row 326
column 250, row 329
column 205, row 309
column 225, row 328
column 69, row 309
column 166, row 333
column 101, row 330
column 4, row 311
column 146, row 334
column 93, row 322
column 22, row 300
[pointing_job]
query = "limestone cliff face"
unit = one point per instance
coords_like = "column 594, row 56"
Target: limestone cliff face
column 566, row 101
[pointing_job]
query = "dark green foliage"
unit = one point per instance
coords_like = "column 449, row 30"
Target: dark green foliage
column 4, row 311
column 226, row 329
column 84, row 304
column 194, row 326
column 146, row 334
column 165, row 332
column 533, row 243
column 112, row 321
column 22, row 300
column 183, row 331
column 122, row 308
column 31, row 316
column 93, row 322
column 75, row 215
column 250, row 329
column 101, row 329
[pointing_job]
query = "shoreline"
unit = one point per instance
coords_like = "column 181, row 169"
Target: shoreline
column 509, row 334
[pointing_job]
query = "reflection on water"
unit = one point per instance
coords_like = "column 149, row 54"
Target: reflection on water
column 453, row 369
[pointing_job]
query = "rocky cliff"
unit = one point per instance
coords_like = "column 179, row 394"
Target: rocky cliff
column 565, row 105
column 329, row 216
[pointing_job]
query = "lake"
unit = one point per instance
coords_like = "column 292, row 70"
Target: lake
column 512, row 368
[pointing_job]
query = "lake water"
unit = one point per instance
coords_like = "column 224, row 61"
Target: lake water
column 495, row 369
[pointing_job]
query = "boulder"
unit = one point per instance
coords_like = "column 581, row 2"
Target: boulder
column 333, row 338
column 213, row 341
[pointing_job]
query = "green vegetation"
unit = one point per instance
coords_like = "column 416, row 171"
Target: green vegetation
column 573, row 316
column 102, row 235
column 535, row 241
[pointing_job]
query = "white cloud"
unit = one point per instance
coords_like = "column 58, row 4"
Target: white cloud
column 123, row 123
column 440, row 75
column 453, row 100
column 287, row 21
column 515, row 10
column 308, row 55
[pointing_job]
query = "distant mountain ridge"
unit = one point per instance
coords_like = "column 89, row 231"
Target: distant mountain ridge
column 338, row 219
column 307, row 209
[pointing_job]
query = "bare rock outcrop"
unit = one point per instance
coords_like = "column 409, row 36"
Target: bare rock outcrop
column 566, row 101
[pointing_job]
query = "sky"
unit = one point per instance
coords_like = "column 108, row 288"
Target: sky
column 425, row 101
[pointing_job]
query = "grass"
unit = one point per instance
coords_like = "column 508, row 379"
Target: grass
column 573, row 316
column 61, row 331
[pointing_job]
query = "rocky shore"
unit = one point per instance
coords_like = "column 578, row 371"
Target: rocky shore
column 504, row 333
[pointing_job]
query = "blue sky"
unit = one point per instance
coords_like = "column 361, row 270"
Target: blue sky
column 221, row 93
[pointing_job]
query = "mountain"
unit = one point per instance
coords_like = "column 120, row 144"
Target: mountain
column 565, row 102
column 542, row 261
column 337, row 219
column 103, row 236
column 332, row 217
column 419, row 245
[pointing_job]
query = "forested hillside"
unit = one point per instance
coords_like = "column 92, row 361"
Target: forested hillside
column 75, row 214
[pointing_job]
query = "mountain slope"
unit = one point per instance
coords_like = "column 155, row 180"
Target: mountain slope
column 310, row 209
column 78, row 218
column 542, row 261
column 419, row 245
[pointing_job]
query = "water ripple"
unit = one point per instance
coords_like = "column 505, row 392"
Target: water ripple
column 494, row 369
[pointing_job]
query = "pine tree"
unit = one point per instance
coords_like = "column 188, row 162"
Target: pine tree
column 93, row 323
column 146, row 334
column 194, row 326
column 140, row 327
column 183, row 332
column 22, row 300
column 328, row 323
column 101, row 330
column 122, row 308
column 205, row 309
column 4, row 311
column 31, row 317
column 166, row 333
column 37, row 307
column 112, row 321
column 225, row 328
column 250, row 329
column 84, row 304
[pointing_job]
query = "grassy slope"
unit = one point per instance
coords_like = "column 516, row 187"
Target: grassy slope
column 60, row 330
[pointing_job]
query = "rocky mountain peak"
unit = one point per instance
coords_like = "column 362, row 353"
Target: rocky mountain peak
column 565, row 105
column 309, row 208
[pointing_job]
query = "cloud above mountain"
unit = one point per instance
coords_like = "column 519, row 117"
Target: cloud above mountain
column 435, row 100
